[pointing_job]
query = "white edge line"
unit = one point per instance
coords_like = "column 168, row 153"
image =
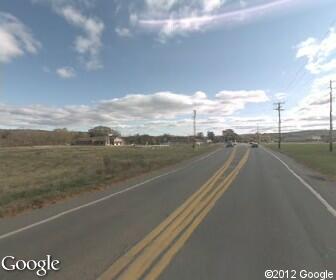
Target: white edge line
column 309, row 187
column 54, row 217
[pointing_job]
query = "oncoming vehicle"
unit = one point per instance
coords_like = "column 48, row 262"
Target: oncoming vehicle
column 229, row 144
column 254, row 145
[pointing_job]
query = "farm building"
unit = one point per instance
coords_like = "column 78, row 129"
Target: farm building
column 109, row 140
column 118, row 141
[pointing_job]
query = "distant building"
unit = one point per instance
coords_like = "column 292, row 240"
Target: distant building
column 109, row 140
column 199, row 143
column 118, row 141
column 316, row 138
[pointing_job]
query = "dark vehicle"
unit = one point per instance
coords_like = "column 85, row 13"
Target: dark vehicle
column 254, row 145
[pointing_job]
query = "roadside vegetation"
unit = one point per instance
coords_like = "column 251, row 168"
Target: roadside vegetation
column 30, row 177
column 315, row 156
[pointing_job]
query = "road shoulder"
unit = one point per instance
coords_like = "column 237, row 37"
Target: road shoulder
column 324, row 186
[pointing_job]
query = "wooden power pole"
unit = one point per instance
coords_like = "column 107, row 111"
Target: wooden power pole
column 194, row 123
column 279, row 109
column 258, row 134
column 331, row 118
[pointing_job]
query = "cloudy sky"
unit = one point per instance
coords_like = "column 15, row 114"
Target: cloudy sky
column 144, row 66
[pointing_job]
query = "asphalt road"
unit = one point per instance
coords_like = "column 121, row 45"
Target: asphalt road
column 231, row 215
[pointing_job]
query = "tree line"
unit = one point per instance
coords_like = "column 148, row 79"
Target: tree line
column 28, row 137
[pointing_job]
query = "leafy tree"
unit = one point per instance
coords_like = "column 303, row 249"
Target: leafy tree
column 200, row 135
column 211, row 135
column 102, row 131
column 230, row 135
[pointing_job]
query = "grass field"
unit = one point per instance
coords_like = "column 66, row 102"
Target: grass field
column 315, row 156
column 32, row 177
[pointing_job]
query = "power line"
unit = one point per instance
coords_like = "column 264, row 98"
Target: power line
column 279, row 109
column 300, row 73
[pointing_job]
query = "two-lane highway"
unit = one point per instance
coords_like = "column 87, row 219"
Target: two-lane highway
column 153, row 254
column 267, row 220
column 231, row 215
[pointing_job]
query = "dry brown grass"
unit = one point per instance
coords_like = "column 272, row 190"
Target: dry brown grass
column 31, row 177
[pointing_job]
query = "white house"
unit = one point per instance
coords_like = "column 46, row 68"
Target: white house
column 118, row 141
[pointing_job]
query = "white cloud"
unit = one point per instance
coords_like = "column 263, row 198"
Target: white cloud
column 66, row 72
column 312, row 111
column 154, row 113
column 245, row 96
column 211, row 5
column 320, row 54
column 280, row 96
column 171, row 17
column 15, row 38
column 236, row 100
column 315, row 102
column 314, row 107
column 159, row 6
column 89, row 46
column 123, row 32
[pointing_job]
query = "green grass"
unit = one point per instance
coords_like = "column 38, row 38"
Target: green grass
column 315, row 156
column 30, row 177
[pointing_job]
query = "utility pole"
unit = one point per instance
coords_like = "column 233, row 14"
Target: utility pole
column 279, row 109
column 258, row 135
column 194, row 118
column 331, row 118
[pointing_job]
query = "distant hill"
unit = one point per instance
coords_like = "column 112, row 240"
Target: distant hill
column 296, row 136
column 307, row 135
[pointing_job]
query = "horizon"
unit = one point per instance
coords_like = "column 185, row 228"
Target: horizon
column 176, row 135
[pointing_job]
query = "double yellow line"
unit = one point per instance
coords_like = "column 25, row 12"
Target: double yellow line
column 161, row 245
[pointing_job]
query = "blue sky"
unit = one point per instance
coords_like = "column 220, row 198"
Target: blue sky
column 143, row 66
